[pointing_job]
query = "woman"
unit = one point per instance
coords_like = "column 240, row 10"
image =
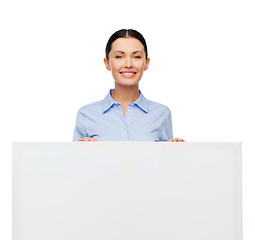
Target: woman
column 125, row 114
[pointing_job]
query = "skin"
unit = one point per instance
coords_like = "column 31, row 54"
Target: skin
column 127, row 63
column 126, row 56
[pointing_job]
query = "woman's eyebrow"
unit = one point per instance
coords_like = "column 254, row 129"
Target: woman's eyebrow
column 119, row 52
column 138, row 51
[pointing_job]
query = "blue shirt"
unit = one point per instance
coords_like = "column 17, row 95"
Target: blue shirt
column 104, row 120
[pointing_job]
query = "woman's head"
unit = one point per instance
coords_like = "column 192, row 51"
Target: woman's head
column 125, row 33
column 126, row 57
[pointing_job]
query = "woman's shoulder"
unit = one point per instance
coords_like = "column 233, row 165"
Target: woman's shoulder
column 93, row 106
column 156, row 106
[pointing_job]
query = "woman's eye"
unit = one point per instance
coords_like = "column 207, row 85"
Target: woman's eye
column 137, row 57
column 118, row 57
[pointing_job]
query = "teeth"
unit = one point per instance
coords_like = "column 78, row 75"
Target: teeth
column 128, row 73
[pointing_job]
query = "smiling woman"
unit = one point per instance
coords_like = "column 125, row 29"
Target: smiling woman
column 125, row 114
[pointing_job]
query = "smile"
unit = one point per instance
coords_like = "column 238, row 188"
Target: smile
column 128, row 74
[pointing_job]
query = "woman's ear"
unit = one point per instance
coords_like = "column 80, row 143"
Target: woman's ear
column 107, row 64
column 147, row 64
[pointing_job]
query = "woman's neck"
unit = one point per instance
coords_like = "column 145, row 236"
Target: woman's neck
column 125, row 95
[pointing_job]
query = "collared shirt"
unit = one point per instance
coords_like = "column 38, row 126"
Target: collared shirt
column 104, row 120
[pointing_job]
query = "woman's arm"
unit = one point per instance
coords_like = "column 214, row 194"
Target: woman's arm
column 80, row 131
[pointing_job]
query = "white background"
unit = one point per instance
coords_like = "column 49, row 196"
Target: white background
column 202, row 67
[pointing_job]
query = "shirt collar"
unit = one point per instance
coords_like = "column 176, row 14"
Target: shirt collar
column 108, row 102
column 141, row 102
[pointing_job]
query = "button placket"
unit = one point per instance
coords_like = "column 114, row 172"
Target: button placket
column 130, row 107
column 127, row 118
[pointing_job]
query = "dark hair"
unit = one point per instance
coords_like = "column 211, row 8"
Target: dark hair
column 125, row 33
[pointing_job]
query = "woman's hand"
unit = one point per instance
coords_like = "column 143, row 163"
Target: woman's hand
column 176, row 140
column 87, row 139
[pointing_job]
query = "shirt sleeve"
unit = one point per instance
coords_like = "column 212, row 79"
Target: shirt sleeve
column 80, row 130
column 166, row 128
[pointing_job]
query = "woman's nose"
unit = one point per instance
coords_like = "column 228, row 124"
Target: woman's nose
column 128, row 62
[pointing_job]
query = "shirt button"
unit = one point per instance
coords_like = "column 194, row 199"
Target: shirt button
column 132, row 104
column 129, row 110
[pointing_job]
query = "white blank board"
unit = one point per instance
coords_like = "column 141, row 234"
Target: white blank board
column 127, row 191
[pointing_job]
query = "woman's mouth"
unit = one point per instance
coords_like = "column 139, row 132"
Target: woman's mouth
column 128, row 74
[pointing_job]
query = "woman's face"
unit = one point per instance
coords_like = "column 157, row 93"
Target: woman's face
column 127, row 61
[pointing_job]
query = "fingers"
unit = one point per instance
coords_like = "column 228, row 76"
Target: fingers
column 176, row 140
column 88, row 139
